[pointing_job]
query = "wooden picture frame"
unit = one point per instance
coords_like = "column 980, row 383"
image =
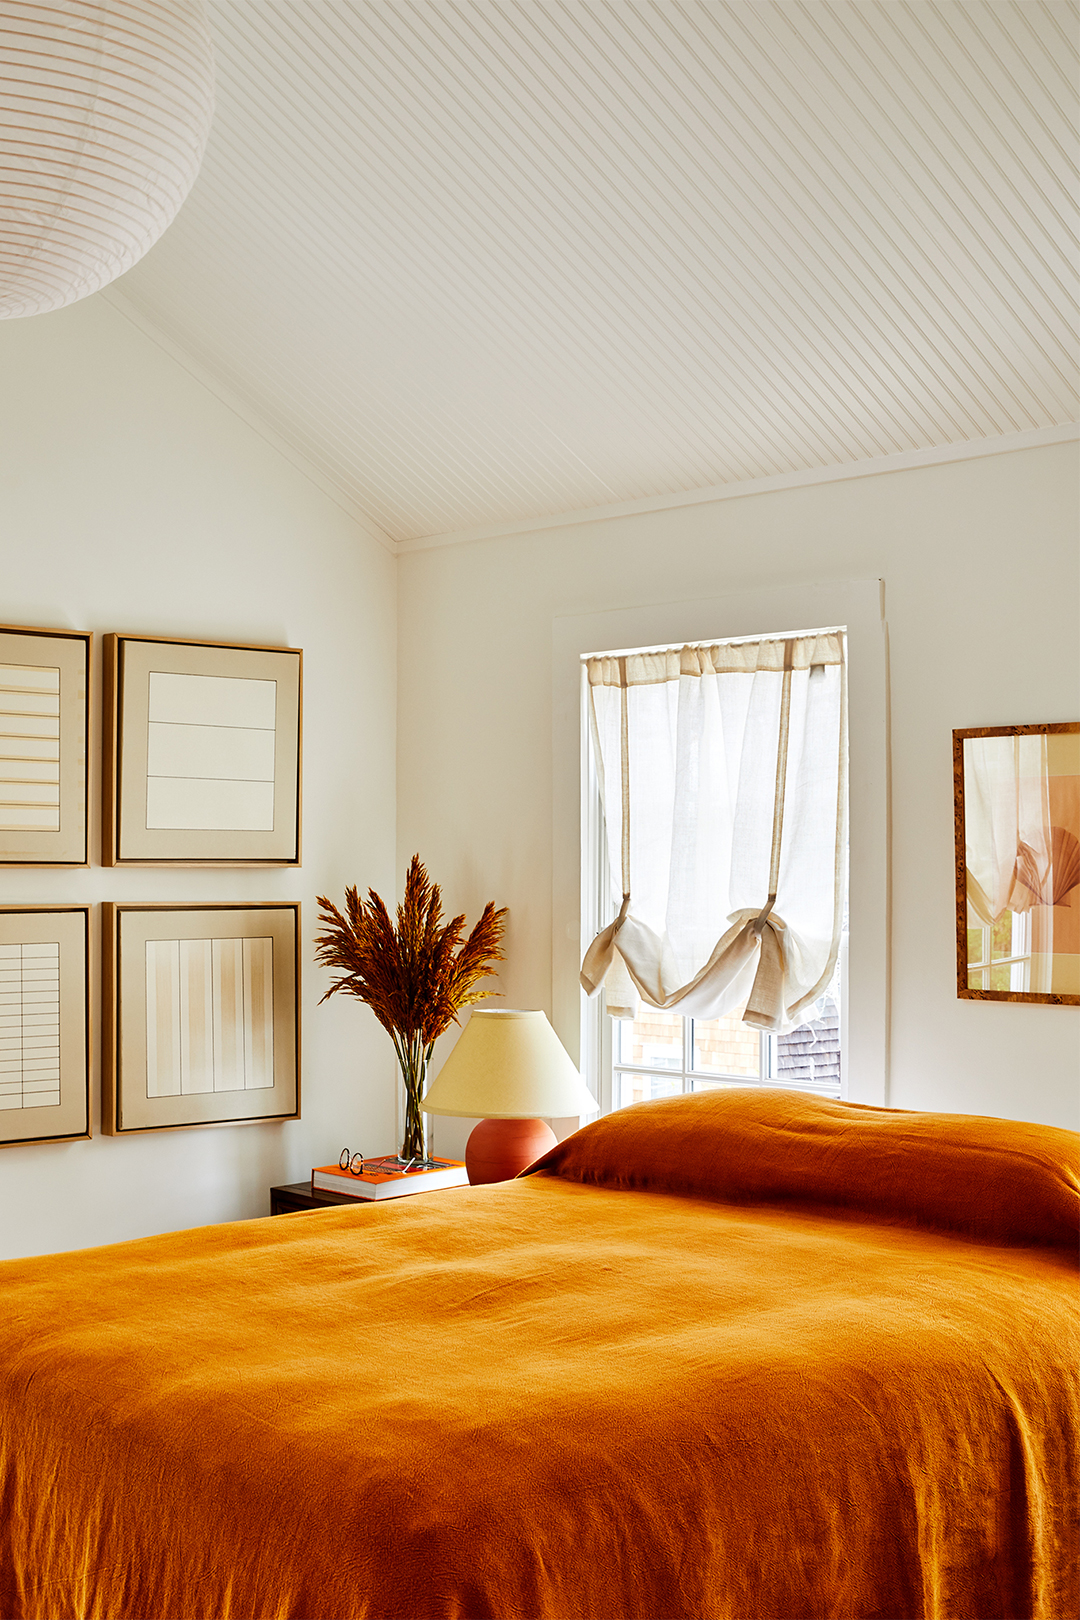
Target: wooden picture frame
column 1016, row 793
column 44, row 746
column 201, row 757
column 201, row 1015
column 44, row 1024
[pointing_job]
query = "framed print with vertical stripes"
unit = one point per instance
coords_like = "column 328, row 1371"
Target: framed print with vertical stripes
column 44, row 1024
column 44, row 721
column 201, row 753
column 202, row 1015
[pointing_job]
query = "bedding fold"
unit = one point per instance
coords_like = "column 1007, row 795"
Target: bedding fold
column 1000, row 1180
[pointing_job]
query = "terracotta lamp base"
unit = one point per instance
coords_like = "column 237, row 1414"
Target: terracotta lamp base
column 499, row 1149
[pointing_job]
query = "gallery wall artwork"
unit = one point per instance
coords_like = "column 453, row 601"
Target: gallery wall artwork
column 201, row 1015
column 44, row 715
column 202, row 753
column 1017, row 814
column 44, row 1024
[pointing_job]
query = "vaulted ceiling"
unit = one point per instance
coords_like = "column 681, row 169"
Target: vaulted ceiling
column 480, row 261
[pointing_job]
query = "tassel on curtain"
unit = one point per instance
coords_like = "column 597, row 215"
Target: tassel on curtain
column 722, row 773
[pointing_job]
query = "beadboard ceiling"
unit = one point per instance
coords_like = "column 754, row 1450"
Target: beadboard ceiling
column 483, row 261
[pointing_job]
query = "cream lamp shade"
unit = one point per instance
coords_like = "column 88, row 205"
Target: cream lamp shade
column 105, row 108
column 510, row 1068
column 508, row 1065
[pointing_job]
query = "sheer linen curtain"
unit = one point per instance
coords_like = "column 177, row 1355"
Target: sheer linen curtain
column 722, row 774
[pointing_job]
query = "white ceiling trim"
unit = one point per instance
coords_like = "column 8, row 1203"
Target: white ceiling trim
column 935, row 456
column 239, row 407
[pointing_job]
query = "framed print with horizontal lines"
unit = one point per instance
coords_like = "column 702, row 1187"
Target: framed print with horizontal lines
column 44, row 719
column 202, row 753
column 44, row 1024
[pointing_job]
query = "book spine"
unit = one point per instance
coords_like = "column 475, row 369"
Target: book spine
column 391, row 1186
column 352, row 1187
column 409, row 1184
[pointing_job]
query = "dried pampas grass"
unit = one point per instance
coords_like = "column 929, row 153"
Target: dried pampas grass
column 416, row 977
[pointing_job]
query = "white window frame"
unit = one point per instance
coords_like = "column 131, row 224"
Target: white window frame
column 858, row 604
column 601, row 1064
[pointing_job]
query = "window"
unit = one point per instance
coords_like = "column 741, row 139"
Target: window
column 657, row 1050
column 659, row 1054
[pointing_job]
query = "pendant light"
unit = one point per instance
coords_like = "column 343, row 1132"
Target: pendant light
column 105, row 107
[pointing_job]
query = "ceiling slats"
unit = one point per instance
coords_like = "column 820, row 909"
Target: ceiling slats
column 489, row 260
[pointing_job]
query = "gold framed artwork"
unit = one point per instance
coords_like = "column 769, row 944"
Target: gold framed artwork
column 1017, row 818
column 44, row 1024
column 201, row 753
column 202, row 1015
column 44, row 721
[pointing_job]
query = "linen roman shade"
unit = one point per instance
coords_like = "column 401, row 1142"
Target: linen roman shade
column 722, row 775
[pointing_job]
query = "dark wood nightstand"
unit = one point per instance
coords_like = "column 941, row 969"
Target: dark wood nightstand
column 298, row 1195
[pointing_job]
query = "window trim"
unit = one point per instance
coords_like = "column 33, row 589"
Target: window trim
column 858, row 604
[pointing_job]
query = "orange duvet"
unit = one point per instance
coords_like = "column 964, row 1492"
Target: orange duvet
column 731, row 1357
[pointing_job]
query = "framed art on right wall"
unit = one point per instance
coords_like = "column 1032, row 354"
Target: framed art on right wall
column 1017, row 819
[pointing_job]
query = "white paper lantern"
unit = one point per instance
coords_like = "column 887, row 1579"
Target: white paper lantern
column 105, row 107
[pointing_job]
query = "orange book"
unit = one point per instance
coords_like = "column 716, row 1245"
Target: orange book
column 388, row 1183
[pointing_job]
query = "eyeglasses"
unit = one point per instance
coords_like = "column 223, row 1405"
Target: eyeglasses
column 388, row 1165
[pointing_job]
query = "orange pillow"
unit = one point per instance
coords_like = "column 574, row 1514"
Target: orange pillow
column 1002, row 1180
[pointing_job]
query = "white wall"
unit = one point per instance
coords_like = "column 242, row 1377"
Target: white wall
column 132, row 499
column 980, row 563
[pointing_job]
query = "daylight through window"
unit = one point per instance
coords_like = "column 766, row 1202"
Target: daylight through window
column 719, row 775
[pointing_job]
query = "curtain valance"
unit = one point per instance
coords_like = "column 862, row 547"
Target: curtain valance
column 722, row 773
column 724, row 658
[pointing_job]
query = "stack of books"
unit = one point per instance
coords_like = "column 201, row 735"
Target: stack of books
column 385, row 1180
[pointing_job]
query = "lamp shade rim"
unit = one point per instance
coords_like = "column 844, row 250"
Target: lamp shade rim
column 493, row 1113
column 507, row 1012
column 508, row 1063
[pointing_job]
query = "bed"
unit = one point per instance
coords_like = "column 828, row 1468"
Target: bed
column 737, row 1356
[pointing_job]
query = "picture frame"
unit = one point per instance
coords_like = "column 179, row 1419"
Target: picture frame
column 202, row 753
column 201, row 1006
column 1016, row 793
column 44, row 1024
column 44, row 746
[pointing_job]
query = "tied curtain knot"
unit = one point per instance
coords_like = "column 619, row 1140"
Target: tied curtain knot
column 748, row 964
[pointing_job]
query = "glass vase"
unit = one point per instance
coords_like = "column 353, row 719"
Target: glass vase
column 413, row 1059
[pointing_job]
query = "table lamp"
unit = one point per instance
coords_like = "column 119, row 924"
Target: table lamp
column 510, row 1068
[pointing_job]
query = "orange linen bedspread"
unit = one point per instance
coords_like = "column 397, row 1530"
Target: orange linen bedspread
column 541, row 1399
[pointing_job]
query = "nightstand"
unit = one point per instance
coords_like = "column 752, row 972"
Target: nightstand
column 298, row 1195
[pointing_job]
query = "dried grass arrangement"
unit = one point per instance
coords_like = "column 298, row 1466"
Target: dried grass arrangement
column 415, row 977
